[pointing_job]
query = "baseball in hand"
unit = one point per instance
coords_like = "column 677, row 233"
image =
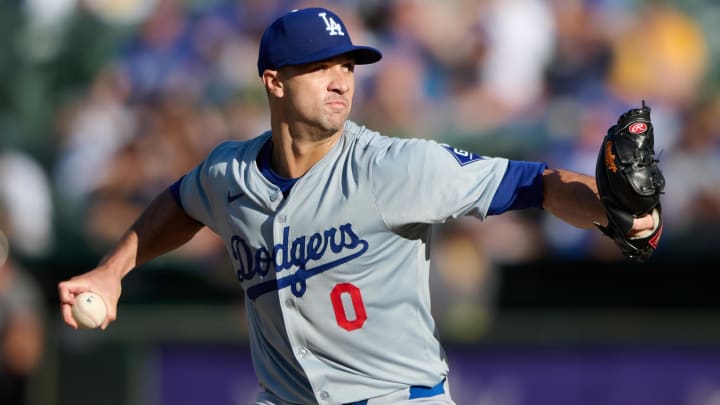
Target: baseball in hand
column 89, row 310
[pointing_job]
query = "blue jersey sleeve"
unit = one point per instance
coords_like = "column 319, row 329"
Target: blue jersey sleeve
column 175, row 191
column 521, row 187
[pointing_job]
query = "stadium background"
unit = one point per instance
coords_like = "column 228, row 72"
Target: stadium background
column 103, row 103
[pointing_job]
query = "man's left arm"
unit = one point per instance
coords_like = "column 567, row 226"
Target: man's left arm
column 574, row 198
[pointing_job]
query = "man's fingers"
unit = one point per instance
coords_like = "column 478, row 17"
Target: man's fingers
column 68, row 290
column 65, row 293
column 67, row 315
column 111, row 317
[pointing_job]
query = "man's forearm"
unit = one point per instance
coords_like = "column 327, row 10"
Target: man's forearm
column 162, row 227
column 573, row 198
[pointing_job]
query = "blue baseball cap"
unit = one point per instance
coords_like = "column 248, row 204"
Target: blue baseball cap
column 309, row 35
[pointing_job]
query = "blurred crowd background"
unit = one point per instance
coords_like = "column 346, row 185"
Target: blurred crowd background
column 104, row 103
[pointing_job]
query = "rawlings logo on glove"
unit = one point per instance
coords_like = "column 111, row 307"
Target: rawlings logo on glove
column 630, row 182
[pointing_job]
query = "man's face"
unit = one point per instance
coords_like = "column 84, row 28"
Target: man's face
column 320, row 93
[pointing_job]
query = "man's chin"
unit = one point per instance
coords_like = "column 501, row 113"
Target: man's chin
column 335, row 122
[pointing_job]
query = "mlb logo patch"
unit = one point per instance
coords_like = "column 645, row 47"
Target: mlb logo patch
column 463, row 157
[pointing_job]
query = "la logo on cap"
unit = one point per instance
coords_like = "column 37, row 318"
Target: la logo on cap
column 331, row 26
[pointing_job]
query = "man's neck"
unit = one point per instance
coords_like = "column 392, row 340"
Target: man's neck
column 294, row 152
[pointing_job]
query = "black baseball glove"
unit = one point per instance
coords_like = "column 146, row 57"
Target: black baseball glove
column 630, row 182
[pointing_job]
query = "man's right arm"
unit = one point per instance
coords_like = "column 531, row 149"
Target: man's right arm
column 162, row 227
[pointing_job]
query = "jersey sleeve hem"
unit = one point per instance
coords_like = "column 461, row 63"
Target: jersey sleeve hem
column 521, row 187
column 175, row 191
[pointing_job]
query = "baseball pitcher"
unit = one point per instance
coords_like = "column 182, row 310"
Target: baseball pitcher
column 327, row 224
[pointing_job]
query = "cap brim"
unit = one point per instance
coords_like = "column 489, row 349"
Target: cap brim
column 363, row 55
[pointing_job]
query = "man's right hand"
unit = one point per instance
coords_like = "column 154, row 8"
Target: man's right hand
column 101, row 281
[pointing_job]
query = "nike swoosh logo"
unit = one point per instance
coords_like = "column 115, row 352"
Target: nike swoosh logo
column 232, row 198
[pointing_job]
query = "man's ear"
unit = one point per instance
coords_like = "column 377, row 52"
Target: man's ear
column 272, row 83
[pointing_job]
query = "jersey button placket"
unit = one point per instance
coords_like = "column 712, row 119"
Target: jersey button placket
column 324, row 395
column 290, row 314
column 291, row 311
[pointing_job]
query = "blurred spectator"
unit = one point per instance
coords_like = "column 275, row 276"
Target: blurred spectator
column 660, row 45
column 396, row 102
column 465, row 282
column 123, row 12
column 521, row 36
column 93, row 129
column 22, row 333
column 517, row 39
column 692, row 168
column 48, row 12
column 160, row 61
column 26, row 193
column 583, row 50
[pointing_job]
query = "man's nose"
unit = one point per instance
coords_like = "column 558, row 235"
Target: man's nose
column 340, row 81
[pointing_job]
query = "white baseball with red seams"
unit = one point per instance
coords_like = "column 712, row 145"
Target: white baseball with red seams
column 89, row 310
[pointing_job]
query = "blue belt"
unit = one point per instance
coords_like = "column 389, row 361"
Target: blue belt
column 416, row 391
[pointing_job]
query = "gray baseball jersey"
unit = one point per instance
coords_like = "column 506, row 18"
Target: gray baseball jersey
column 336, row 272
